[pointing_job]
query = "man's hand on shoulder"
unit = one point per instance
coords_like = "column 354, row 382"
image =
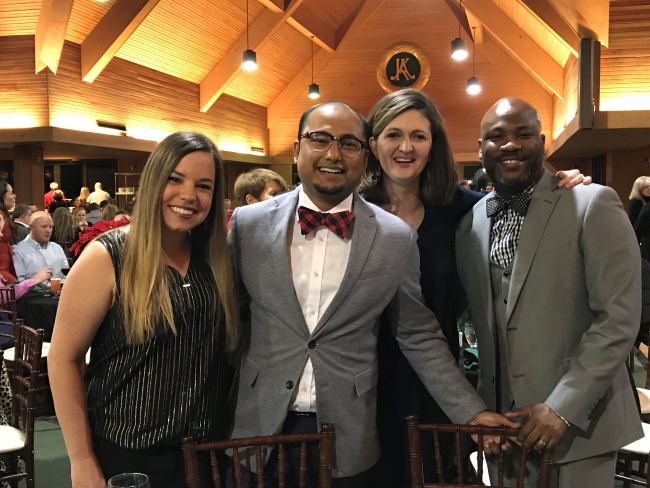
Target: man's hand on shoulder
column 543, row 428
column 491, row 444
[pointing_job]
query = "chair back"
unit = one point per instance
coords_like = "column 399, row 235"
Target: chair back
column 8, row 317
column 237, row 447
column 417, row 481
column 26, row 380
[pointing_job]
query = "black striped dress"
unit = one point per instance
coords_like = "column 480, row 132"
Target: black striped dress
column 171, row 386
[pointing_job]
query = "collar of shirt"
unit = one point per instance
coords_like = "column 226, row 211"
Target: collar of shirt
column 35, row 244
column 305, row 201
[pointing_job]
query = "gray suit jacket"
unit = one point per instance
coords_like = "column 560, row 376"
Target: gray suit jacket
column 573, row 312
column 382, row 275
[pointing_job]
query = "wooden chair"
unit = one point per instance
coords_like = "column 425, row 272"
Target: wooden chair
column 17, row 439
column 8, row 317
column 632, row 461
column 414, row 429
column 236, row 447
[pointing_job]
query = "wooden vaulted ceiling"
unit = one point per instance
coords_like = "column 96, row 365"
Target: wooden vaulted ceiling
column 201, row 41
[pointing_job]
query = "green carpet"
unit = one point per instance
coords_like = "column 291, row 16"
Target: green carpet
column 52, row 465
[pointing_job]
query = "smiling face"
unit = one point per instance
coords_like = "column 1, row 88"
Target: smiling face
column 512, row 146
column 187, row 196
column 328, row 177
column 403, row 147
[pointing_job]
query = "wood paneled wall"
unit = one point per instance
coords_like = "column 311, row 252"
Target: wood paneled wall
column 23, row 95
column 564, row 110
column 625, row 64
column 124, row 92
column 623, row 167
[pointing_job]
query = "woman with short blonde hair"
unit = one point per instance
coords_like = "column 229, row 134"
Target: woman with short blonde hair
column 639, row 196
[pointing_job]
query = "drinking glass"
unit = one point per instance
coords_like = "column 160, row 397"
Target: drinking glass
column 470, row 334
column 129, row 480
column 66, row 264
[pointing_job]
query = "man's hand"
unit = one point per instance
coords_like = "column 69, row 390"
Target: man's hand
column 572, row 177
column 491, row 444
column 543, row 428
column 42, row 274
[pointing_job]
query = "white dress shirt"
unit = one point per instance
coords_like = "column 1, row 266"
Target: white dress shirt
column 30, row 256
column 318, row 263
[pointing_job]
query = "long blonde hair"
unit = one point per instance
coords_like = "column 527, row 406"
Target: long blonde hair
column 144, row 278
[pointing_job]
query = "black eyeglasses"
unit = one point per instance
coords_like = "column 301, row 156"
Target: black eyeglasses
column 321, row 141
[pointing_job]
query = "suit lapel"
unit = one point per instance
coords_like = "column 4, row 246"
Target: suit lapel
column 539, row 212
column 279, row 227
column 363, row 235
column 481, row 228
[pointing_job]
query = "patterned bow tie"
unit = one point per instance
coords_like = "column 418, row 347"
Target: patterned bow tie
column 340, row 223
column 497, row 204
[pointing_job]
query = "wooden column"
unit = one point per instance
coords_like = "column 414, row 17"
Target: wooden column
column 28, row 174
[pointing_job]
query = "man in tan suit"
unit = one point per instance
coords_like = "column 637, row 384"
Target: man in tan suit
column 554, row 284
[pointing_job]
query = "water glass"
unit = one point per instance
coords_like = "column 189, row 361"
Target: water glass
column 470, row 334
column 129, row 480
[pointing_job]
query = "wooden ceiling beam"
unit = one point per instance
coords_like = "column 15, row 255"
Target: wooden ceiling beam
column 50, row 33
column 454, row 6
column 300, row 82
column 216, row 82
column 518, row 44
column 548, row 15
column 307, row 22
column 110, row 34
column 276, row 6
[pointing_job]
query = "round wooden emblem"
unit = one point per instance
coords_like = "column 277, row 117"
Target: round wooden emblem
column 403, row 65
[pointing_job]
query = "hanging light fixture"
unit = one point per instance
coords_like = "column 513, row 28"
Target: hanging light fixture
column 473, row 87
column 249, row 62
column 314, row 91
column 458, row 47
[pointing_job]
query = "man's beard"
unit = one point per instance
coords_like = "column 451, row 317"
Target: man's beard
column 533, row 169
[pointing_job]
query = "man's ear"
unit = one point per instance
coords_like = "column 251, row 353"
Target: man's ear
column 543, row 137
column 250, row 199
column 373, row 146
column 296, row 150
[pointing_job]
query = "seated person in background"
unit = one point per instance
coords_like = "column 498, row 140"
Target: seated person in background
column 109, row 211
column 82, row 199
column 63, row 232
column 36, row 251
column 99, row 195
column 49, row 196
column 258, row 185
column 21, row 216
column 122, row 215
column 27, row 285
column 57, row 202
column 93, row 214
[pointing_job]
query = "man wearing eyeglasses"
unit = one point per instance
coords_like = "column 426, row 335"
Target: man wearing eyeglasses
column 319, row 266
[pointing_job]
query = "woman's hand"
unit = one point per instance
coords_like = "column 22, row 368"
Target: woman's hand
column 86, row 473
column 572, row 177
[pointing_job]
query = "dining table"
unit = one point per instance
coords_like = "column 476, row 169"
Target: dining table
column 38, row 309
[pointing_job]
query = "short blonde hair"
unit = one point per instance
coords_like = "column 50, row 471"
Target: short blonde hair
column 253, row 183
column 639, row 184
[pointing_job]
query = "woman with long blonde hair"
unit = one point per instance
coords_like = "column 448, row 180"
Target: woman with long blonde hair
column 161, row 323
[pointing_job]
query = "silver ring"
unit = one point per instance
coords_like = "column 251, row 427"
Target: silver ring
column 542, row 443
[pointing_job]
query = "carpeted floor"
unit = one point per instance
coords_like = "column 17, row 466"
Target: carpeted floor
column 52, row 465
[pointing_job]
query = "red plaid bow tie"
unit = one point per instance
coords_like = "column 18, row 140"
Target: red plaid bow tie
column 340, row 222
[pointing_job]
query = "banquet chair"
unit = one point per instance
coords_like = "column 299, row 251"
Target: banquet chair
column 17, row 439
column 8, row 317
column 256, row 447
column 415, row 427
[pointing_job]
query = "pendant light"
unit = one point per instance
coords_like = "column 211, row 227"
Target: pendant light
column 314, row 90
column 458, row 47
column 249, row 62
column 473, row 88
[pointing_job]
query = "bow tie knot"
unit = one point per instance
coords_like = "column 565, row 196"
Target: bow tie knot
column 497, row 204
column 340, row 222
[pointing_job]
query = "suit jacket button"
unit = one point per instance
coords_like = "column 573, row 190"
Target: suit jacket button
column 505, row 300
column 506, row 273
column 311, row 344
column 289, row 385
